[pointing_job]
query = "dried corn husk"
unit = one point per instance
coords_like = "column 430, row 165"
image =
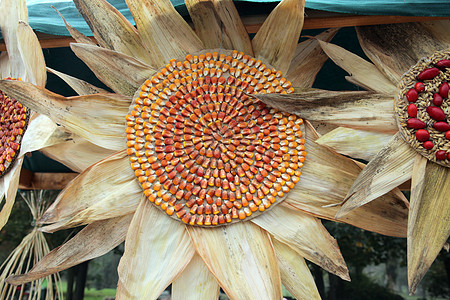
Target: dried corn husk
column 356, row 109
column 157, row 249
column 196, row 279
column 245, row 251
column 362, row 72
column 90, row 196
column 92, row 241
column 393, row 54
column 276, row 40
column 429, row 218
column 9, row 184
column 295, row 275
column 355, row 143
column 81, row 87
column 77, row 36
column 112, row 68
column 74, row 113
column 164, row 32
column 308, row 60
column 306, row 235
column 112, row 30
column 391, row 167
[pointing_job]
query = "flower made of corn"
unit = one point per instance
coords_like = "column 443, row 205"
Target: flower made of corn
column 13, row 122
column 206, row 152
column 422, row 107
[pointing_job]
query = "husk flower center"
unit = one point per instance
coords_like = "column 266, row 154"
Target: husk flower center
column 205, row 151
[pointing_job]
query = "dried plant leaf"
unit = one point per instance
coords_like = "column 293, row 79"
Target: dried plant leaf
column 242, row 259
column 105, row 129
column 295, row 274
column 5, row 67
column 31, row 53
column 218, row 25
column 81, row 87
column 112, row 30
column 362, row 72
column 12, row 12
column 77, row 153
column 324, row 183
column 10, row 185
column 439, row 30
column 105, row 190
column 122, row 73
column 276, row 40
column 306, row 235
column 429, row 218
column 76, row 35
column 92, row 241
column 392, row 50
column 164, row 32
column 391, row 167
column 356, row 109
column 196, row 279
column 355, row 143
column 157, row 249
column 308, row 60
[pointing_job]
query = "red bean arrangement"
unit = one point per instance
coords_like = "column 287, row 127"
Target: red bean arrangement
column 439, row 119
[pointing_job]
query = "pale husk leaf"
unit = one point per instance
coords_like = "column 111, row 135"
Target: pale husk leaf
column 325, row 180
column 242, row 259
column 31, row 53
column 112, row 30
column 439, row 31
column 92, row 241
column 42, row 132
column 77, row 36
column 122, row 73
column 77, row 153
column 391, row 48
column 99, row 118
column 356, row 109
column 363, row 73
column 164, row 32
column 10, row 185
column 12, row 12
column 218, row 25
column 276, row 40
column 157, row 249
column 105, row 190
column 195, row 282
column 81, row 87
column 391, row 167
column 306, row 235
column 308, row 60
column 429, row 218
column 355, row 143
column 5, row 67
column 295, row 274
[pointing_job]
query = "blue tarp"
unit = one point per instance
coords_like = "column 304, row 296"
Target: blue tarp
column 44, row 19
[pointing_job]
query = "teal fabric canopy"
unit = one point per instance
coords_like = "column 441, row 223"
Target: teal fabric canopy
column 45, row 19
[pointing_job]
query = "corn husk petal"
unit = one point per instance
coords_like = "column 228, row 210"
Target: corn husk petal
column 98, row 118
column 356, row 109
column 391, row 167
column 92, row 241
column 276, row 40
column 429, row 218
column 196, row 279
column 10, row 184
column 362, row 72
column 105, row 190
column 76, row 35
column 164, row 32
column 122, row 73
column 81, row 87
column 308, row 60
column 242, row 259
column 306, row 235
column 157, row 249
column 360, row 144
column 295, row 274
column 392, row 50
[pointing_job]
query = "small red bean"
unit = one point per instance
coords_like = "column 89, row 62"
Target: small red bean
column 419, row 86
column 412, row 110
column 428, row 145
column 436, row 113
column 437, row 99
column 422, row 135
column 412, row 95
column 443, row 90
column 428, row 74
column 441, row 154
column 415, row 123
